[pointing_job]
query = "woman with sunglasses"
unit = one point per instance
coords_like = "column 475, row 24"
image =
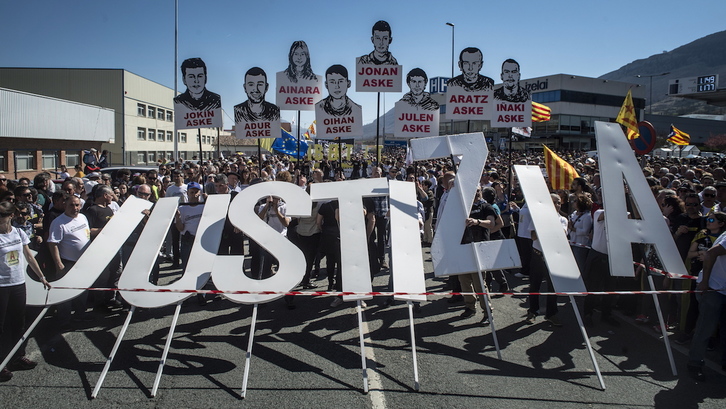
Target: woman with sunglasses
column 715, row 226
column 14, row 253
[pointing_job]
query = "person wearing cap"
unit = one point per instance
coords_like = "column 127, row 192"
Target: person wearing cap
column 90, row 159
column 187, row 220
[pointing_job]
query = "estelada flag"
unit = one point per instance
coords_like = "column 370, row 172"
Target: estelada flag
column 560, row 173
column 540, row 113
column 679, row 137
column 627, row 118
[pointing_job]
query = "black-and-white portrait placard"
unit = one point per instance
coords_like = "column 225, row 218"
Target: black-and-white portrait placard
column 417, row 114
column 256, row 118
column 337, row 115
column 298, row 88
column 512, row 105
column 197, row 107
column 469, row 95
column 378, row 71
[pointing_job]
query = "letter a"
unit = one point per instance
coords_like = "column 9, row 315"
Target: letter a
column 619, row 163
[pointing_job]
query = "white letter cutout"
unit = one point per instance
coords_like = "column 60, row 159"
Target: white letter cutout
column 227, row 271
column 448, row 255
column 618, row 163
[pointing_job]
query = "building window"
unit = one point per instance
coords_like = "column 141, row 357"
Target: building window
column 152, row 134
column 197, row 141
column 140, row 109
column 160, row 114
column 169, row 136
column 211, row 140
column 160, row 135
column 72, row 160
column 141, row 158
column 25, row 160
column 141, row 134
column 49, row 160
column 169, row 116
column 152, row 112
column 182, row 137
column 3, row 161
column 151, row 157
column 183, row 156
column 170, row 155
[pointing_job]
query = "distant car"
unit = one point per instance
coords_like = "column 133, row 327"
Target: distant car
column 113, row 170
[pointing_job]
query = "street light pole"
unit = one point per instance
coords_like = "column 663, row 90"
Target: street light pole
column 452, row 66
column 650, row 88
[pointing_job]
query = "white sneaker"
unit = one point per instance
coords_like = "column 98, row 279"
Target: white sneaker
column 336, row 302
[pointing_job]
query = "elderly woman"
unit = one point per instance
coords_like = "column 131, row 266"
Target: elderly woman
column 14, row 252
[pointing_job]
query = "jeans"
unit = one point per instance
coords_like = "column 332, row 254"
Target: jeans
column 538, row 271
column 710, row 305
column 12, row 319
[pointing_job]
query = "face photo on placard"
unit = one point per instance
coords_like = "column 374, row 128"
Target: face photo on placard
column 298, row 87
column 471, row 60
column 417, row 97
column 337, row 83
column 256, row 109
column 197, row 97
column 299, row 68
column 381, row 38
column 510, row 90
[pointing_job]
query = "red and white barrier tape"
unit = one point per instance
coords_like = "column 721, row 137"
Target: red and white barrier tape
column 376, row 293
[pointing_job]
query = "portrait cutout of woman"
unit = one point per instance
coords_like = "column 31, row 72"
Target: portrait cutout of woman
column 299, row 63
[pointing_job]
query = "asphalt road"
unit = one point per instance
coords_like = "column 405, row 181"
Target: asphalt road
column 309, row 357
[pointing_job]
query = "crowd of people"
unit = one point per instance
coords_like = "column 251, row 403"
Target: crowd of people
column 58, row 223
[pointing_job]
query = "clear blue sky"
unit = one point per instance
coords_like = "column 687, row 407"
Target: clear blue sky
column 587, row 38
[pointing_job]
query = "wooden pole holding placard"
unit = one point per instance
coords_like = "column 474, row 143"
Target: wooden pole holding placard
column 378, row 131
column 199, row 137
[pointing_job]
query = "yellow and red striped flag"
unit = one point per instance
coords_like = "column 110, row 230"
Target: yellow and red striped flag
column 627, row 118
column 679, row 137
column 540, row 113
column 560, row 173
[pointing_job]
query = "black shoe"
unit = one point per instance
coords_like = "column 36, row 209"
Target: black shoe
column 484, row 321
column 696, row 373
column 683, row 339
column 468, row 312
column 309, row 286
column 417, row 308
column 608, row 319
column 389, row 301
column 201, row 300
column 114, row 304
column 5, row 375
column 21, row 364
column 455, row 299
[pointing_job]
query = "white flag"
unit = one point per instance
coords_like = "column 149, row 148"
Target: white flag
column 526, row 132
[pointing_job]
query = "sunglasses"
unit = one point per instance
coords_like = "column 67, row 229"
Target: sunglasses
column 709, row 195
column 142, row 194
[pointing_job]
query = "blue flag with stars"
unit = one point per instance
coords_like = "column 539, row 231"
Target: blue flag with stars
column 287, row 144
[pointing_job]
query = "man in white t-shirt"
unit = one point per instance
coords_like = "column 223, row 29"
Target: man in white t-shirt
column 711, row 302
column 177, row 189
column 187, row 220
column 69, row 236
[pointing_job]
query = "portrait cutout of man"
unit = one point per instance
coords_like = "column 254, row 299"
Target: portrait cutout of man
column 337, row 83
column 510, row 89
column 417, row 97
column 197, row 97
column 381, row 39
column 471, row 60
column 256, row 109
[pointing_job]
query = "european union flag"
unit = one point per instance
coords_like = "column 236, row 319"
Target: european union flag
column 287, row 144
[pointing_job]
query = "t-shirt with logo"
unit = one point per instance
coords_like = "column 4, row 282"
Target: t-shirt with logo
column 72, row 235
column 12, row 262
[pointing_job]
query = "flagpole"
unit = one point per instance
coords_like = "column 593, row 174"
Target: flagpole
column 509, row 188
column 378, row 131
